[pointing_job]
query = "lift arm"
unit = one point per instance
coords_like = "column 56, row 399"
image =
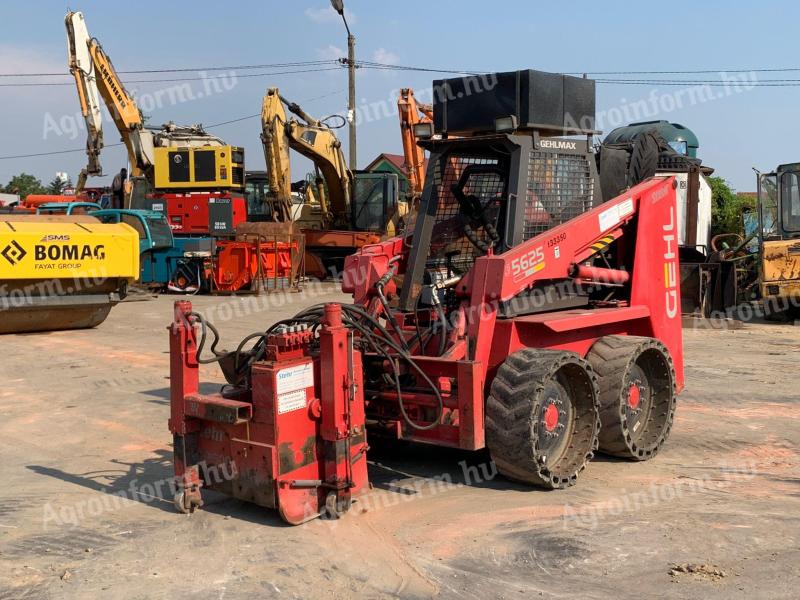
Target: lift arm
column 411, row 112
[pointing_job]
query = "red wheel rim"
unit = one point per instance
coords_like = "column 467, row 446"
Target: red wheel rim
column 634, row 396
column 551, row 417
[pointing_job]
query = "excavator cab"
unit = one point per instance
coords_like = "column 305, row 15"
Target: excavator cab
column 375, row 201
column 779, row 232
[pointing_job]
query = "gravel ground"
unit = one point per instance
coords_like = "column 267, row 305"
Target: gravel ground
column 85, row 448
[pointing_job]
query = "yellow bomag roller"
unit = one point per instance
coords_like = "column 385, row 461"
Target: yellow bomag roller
column 62, row 272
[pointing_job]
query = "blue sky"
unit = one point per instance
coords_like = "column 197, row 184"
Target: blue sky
column 756, row 127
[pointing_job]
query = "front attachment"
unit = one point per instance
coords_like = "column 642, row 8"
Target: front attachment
column 290, row 437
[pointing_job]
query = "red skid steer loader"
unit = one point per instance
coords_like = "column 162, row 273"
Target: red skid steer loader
column 519, row 314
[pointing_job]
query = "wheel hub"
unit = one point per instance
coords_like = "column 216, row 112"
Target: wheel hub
column 555, row 416
column 551, row 417
column 634, row 396
column 638, row 405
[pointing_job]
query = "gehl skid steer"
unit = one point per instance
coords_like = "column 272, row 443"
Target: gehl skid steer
column 520, row 314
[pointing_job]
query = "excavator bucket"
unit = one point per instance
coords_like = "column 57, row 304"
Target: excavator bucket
column 62, row 272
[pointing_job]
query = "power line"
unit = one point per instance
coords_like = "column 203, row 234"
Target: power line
column 220, row 124
column 331, row 65
column 692, row 72
column 175, row 80
column 373, row 64
column 727, row 84
column 366, row 64
column 651, row 82
column 305, row 63
column 53, row 152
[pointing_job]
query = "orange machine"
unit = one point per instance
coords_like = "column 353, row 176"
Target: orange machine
column 242, row 265
column 411, row 113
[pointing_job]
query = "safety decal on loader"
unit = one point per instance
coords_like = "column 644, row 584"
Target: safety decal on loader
column 294, row 378
column 292, row 401
column 612, row 216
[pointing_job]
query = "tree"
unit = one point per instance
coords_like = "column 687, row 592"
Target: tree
column 23, row 185
column 58, row 185
column 726, row 207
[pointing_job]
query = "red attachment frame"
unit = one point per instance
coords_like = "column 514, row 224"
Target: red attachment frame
column 297, row 441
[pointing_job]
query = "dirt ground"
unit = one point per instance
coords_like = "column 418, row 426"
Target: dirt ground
column 84, row 512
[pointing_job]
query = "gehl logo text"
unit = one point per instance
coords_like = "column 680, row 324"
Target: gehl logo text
column 558, row 144
column 68, row 252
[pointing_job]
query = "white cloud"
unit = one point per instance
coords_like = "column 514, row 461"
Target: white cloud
column 331, row 53
column 382, row 55
column 326, row 14
column 19, row 59
column 16, row 59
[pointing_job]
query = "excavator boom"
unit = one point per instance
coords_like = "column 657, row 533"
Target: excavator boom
column 82, row 69
column 411, row 113
column 312, row 139
column 276, row 155
column 95, row 78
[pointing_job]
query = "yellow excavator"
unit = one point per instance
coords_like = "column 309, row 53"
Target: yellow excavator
column 778, row 236
column 342, row 210
column 172, row 158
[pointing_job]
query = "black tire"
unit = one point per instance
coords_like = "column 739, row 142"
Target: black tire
column 644, row 157
column 634, row 423
column 542, row 417
column 185, row 278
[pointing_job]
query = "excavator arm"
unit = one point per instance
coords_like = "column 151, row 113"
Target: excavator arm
column 276, row 155
column 411, row 112
column 95, row 77
column 312, row 139
column 82, row 69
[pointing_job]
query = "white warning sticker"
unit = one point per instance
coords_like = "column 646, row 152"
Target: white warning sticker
column 612, row 216
column 291, row 401
column 625, row 208
column 294, row 378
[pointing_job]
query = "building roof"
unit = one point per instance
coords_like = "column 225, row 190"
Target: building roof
column 396, row 160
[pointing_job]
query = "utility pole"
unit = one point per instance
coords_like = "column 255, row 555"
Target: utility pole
column 338, row 6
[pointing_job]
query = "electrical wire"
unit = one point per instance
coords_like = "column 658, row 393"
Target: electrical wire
column 343, row 61
column 390, row 66
column 213, row 125
column 179, row 79
column 304, row 63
